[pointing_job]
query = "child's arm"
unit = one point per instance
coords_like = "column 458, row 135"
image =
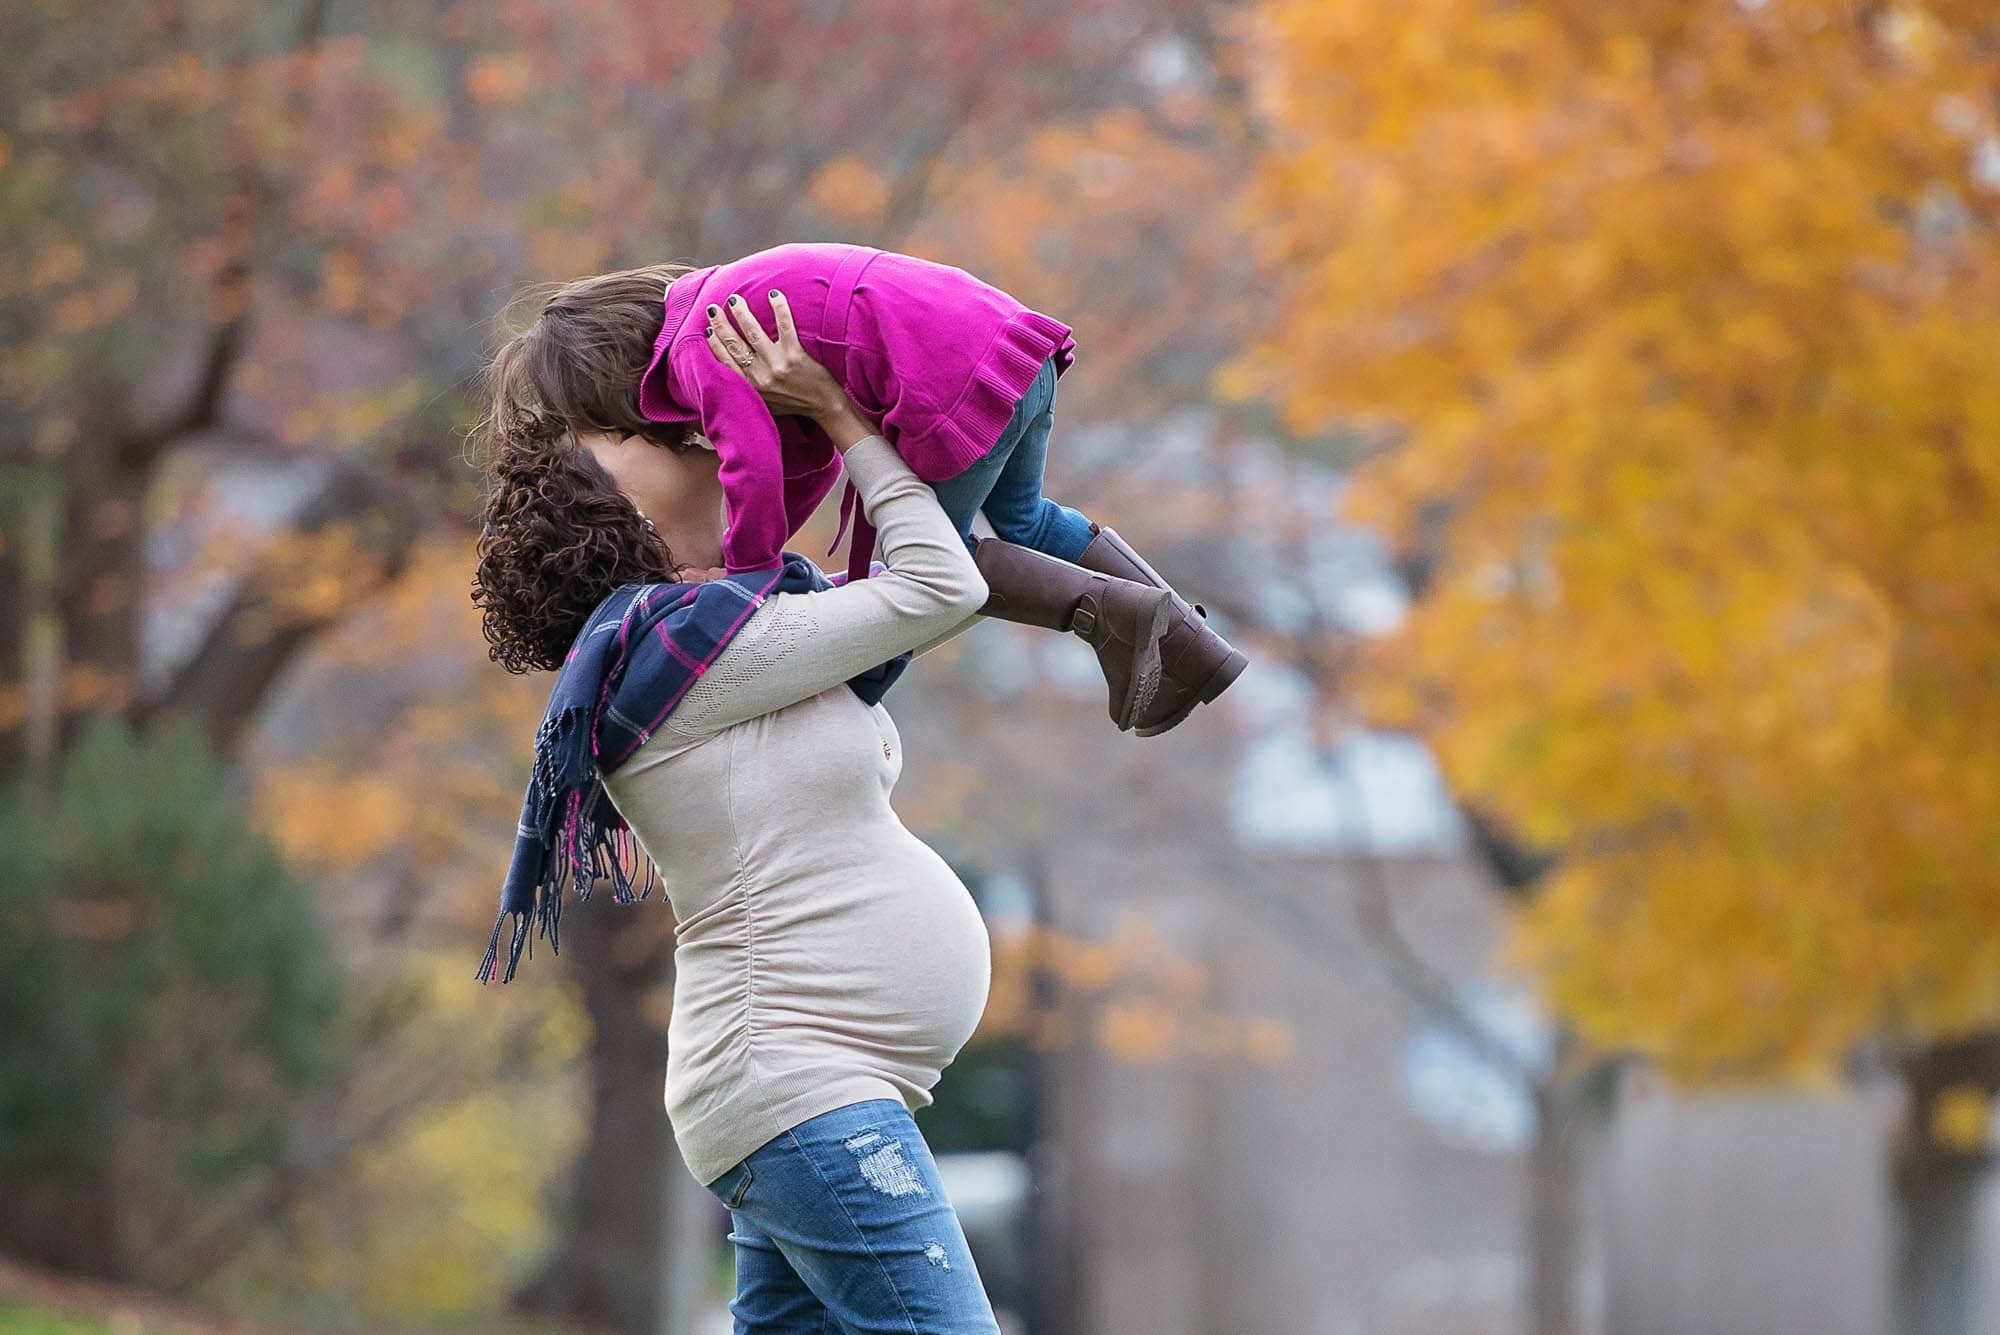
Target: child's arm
column 745, row 436
column 781, row 378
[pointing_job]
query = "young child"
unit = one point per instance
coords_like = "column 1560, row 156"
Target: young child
column 959, row 376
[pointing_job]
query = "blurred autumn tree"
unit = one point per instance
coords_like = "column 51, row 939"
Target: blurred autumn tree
column 733, row 127
column 1676, row 320
column 168, row 992
column 159, row 197
column 243, row 238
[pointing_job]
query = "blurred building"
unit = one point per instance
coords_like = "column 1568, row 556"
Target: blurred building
column 1376, row 1181
column 1311, row 1195
column 1367, row 1181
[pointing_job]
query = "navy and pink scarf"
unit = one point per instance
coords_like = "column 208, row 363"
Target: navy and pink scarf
column 641, row 649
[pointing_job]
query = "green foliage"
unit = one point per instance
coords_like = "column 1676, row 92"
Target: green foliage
column 163, row 975
column 983, row 1100
column 35, row 1321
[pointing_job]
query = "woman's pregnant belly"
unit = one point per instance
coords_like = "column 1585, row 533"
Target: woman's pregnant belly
column 890, row 949
column 869, row 957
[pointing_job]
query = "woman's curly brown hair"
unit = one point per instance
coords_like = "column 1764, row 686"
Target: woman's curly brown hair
column 558, row 534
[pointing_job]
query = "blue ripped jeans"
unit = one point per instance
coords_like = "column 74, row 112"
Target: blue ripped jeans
column 1007, row 483
column 841, row 1225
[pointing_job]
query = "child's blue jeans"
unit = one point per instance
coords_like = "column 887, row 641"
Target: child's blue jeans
column 1007, row 483
column 841, row 1224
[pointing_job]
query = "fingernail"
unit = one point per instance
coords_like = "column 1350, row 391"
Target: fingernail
column 710, row 331
column 774, row 291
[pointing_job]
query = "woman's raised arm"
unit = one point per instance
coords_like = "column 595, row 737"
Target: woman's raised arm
column 801, row 644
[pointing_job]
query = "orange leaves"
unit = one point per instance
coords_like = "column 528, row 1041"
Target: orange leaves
column 58, row 261
column 850, row 191
column 341, row 280
column 1658, row 294
column 1151, row 1002
column 79, row 295
column 1121, row 224
column 312, row 576
column 357, row 417
column 502, row 80
column 112, row 296
column 333, row 822
column 84, row 688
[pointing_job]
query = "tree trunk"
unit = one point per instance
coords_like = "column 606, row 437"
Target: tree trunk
column 687, row 1261
column 1056, row 1120
column 1936, row 1199
column 1936, row 1186
column 100, row 580
column 227, row 677
column 1554, row 1172
column 605, row 1267
column 1574, row 1106
column 17, row 603
column 66, row 1224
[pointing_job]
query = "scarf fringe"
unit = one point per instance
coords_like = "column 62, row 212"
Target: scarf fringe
column 591, row 842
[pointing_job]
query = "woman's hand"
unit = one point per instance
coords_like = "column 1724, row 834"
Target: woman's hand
column 785, row 376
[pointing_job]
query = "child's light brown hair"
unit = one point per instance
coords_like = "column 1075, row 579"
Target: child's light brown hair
column 558, row 534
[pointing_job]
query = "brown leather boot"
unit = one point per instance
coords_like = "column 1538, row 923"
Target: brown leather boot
column 1196, row 664
column 1122, row 620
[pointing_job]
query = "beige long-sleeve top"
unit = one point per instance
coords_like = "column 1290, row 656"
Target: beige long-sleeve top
column 823, row 953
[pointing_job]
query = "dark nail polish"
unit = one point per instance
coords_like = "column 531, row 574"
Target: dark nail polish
column 714, row 311
column 736, row 301
column 774, row 291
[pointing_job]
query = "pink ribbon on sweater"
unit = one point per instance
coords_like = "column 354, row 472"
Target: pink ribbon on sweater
column 862, row 549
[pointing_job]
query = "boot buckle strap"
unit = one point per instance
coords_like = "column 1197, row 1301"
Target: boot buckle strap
column 1084, row 622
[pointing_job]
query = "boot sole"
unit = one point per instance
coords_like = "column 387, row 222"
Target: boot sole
column 1145, row 666
column 1218, row 681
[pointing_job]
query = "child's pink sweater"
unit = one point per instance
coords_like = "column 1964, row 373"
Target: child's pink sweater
column 936, row 357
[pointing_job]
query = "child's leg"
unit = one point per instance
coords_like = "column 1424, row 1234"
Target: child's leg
column 1191, row 663
column 962, row 494
column 1014, row 503
column 1160, row 658
column 967, row 494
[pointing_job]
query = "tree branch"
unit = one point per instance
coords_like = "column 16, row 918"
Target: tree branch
column 225, row 680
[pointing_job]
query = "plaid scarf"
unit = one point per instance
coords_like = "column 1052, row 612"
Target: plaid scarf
column 641, row 649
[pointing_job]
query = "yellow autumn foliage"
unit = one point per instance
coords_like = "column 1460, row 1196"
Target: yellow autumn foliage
column 1682, row 315
column 443, row 1209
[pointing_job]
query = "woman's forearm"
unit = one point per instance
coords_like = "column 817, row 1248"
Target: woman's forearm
column 948, row 636
column 843, row 423
column 803, row 643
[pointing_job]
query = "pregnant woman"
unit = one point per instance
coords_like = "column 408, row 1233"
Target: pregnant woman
column 829, row 963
